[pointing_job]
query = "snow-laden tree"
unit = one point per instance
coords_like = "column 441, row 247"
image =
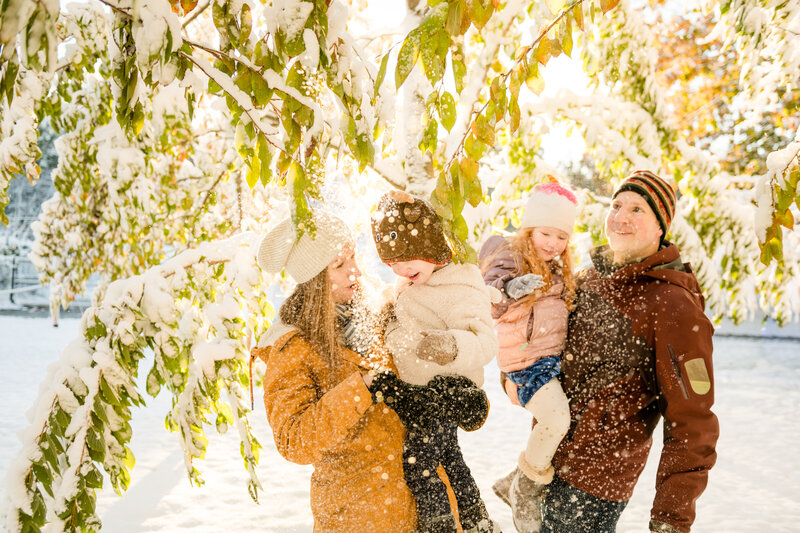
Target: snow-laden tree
column 183, row 123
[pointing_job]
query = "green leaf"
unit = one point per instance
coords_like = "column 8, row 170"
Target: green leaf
column 265, row 158
column 245, row 24
column 480, row 11
column 483, row 130
column 154, row 379
column 785, row 199
column 407, row 57
column 432, row 62
column 107, row 394
column 39, row 509
column 381, row 74
column 365, row 152
column 447, row 110
column 460, row 229
column 43, row 475
column 442, row 209
column 97, row 448
column 9, row 79
column 474, row 148
column 430, row 137
column 455, row 12
column 261, row 91
column 441, row 192
column 793, row 179
column 459, row 72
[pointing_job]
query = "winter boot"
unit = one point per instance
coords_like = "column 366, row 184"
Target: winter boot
column 445, row 523
column 476, row 519
column 502, row 486
column 525, row 496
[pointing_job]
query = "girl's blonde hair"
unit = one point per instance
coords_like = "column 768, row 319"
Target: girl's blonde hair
column 310, row 309
column 527, row 261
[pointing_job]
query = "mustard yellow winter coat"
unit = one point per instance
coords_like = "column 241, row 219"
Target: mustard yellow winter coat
column 327, row 419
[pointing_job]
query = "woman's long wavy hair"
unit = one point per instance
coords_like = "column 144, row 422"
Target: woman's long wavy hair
column 310, row 309
column 527, row 261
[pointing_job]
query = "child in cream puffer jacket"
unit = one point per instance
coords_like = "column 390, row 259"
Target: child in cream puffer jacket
column 440, row 337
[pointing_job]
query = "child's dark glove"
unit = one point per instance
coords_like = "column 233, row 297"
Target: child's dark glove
column 463, row 402
column 418, row 407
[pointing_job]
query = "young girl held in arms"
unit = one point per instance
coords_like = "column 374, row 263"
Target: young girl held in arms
column 533, row 270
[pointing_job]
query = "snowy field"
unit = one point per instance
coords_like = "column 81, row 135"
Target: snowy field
column 755, row 486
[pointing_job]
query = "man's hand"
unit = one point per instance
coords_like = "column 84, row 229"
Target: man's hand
column 661, row 527
column 524, row 285
column 438, row 347
column 511, row 391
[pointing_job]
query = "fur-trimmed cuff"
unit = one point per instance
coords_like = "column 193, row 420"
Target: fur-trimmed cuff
column 541, row 477
column 661, row 527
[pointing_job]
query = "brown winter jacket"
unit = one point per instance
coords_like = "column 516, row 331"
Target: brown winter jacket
column 638, row 348
column 328, row 419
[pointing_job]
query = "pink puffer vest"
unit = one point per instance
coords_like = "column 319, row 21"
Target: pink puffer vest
column 526, row 333
column 529, row 333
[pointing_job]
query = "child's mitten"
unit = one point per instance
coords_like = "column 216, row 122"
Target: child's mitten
column 437, row 346
column 418, row 407
column 463, row 402
column 524, row 285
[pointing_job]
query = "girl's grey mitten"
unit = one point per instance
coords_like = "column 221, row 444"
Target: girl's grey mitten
column 524, row 285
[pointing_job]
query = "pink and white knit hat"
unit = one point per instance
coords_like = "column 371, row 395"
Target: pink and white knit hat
column 551, row 204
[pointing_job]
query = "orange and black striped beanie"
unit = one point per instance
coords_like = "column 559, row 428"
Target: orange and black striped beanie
column 658, row 193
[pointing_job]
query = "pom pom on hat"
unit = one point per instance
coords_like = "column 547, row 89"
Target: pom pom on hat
column 306, row 257
column 551, row 204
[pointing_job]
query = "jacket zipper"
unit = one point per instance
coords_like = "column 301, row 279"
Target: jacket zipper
column 677, row 367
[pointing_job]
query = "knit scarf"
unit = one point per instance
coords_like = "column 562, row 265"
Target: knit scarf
column 355, row 327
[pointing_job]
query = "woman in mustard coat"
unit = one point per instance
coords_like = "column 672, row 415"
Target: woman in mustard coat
column 316, row 387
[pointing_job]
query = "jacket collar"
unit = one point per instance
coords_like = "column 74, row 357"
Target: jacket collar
column 664, row 265
column 667, row 257
column 277, row 335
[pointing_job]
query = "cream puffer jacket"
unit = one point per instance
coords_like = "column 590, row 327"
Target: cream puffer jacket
column 453, row 300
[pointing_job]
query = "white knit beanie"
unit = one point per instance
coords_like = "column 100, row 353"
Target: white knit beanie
column 304, row 258
column 552, row 205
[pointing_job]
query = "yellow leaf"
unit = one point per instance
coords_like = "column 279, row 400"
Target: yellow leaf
column 555, row 6
column 534, row 80
column 786, row 219
column 577, row 12
column 608, row 5
column 543, row 51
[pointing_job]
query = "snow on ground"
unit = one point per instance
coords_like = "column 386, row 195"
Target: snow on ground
column 754, row 487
